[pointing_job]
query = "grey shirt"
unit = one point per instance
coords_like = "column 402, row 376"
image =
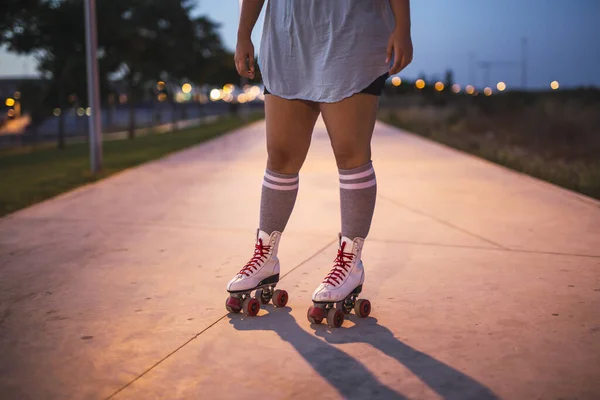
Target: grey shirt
column 324, row 50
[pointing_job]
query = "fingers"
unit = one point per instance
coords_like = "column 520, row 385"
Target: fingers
column 398, row 56
column 388, row 51
column 241, row 65
column 251, row 66
column 401, row 60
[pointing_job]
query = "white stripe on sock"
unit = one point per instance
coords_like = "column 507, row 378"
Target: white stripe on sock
column 281, row 180
column 358, row 175
column 279, row 187
column 362, row 185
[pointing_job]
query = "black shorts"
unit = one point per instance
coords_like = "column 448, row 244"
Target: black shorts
column 375, row 88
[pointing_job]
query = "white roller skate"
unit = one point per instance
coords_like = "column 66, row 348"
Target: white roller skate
column 337, row 294
column 261, row 273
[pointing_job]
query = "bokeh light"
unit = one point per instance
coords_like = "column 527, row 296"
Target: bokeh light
column 215, row 94
column 487, row 91
column 88, row 111
column 396, row 81
column 420, row 84
column 439, row 86
column 186, row 88
column 80, row 112
column 9, row 102
column 501, row 86
column 56, row 112
column 160, row 85
column 554, row 85
column 470, row 89
column 456, row 88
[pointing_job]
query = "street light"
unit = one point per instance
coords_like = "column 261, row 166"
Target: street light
column 439, row 86
column 95, row 127
column 501, row 86
column 420, row 83
column 554, row 85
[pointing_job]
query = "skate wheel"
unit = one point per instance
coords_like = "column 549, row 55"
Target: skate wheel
column 315, row 315
column 362, row 308
column 262, row 296
column 233, row 305
column 344, row 307
column 280, row 298
column 251, row 307
column 335, row 318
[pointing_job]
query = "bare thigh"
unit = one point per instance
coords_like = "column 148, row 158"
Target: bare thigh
column 350, row 125
column 290, row 124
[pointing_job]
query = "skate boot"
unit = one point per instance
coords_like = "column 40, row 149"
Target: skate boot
column 261, row 273
column 337, row 294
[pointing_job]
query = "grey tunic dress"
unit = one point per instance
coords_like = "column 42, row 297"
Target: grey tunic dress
column 324, row 50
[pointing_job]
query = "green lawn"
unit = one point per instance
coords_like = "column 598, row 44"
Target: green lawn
column 30, row 175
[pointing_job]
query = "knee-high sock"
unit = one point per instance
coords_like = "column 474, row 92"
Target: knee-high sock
column 279, row 193
column 358, row 190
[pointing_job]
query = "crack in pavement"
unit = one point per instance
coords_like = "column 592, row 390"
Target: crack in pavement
column 156, row 364
column 464, row 246
column 458, row 228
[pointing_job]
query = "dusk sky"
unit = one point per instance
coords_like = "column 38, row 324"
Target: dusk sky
column 563, row 39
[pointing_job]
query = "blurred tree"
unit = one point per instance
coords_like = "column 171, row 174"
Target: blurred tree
column 34, row 101
column 139, row 41
column 449, row 79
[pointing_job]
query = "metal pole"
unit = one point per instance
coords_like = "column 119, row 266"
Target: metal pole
column 95, row 126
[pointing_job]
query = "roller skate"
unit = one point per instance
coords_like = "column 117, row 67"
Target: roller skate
column 337, row 295
column 260, row 274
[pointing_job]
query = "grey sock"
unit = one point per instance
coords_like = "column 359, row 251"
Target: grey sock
column 358, row 190
column 277, row 202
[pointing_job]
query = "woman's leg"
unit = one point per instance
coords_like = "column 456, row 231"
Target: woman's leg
column 289, row 130
column 350, row 125
column 290, row 124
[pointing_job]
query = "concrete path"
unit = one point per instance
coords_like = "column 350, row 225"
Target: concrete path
column 485, row 283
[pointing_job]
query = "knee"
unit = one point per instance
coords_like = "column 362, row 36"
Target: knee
column 349, row 156
column 283, row 162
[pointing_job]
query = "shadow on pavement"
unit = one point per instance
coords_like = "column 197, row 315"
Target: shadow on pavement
column 348, row 375
column 446, row 381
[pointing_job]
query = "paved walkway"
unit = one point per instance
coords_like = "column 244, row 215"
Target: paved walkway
column 485, row 283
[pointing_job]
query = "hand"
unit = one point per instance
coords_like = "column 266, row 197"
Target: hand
column 244, row 58
column 401, row 45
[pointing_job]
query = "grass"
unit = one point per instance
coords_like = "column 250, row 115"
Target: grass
column 572, row 167
column 30, row 175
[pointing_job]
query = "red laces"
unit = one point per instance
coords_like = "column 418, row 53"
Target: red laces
column 340, row 269
column 260, row 252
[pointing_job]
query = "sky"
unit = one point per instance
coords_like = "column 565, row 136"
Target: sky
column 563, row 40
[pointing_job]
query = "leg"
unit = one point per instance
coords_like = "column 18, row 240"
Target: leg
column 350, row 125
column 289, row 129
column 290, row 125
